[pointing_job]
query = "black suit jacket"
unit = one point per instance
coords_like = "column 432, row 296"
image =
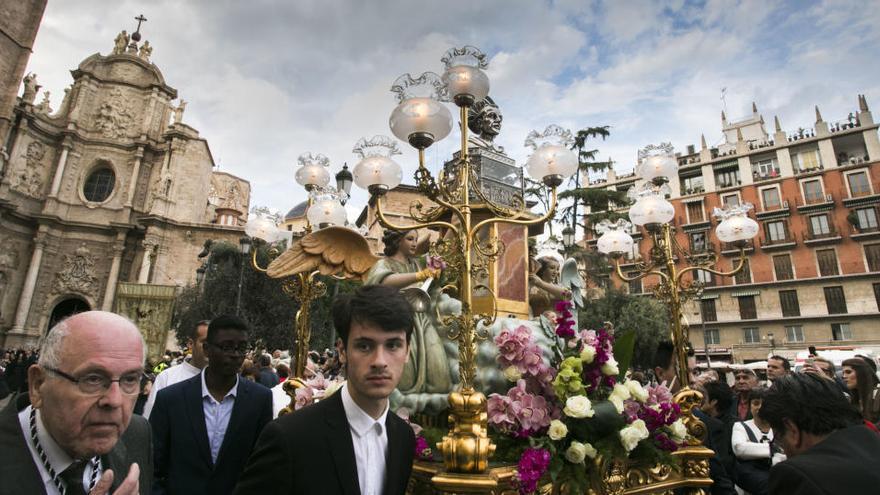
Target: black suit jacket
column 19, row 473
column 310, row 451
column 846, row 462
column 183, row 463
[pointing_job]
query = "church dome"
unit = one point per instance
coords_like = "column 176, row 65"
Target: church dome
column 297, row 211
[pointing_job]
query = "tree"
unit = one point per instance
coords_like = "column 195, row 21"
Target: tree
column 644, row 315
column 264, row 305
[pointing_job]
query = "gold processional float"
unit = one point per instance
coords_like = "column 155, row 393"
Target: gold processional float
column 463, row 213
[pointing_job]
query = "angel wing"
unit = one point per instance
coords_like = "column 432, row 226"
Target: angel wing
column 571, row 279
column 332, row 251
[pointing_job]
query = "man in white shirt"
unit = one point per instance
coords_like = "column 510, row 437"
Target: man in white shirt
column 74, row 433
column 184, row 370
column 346, row 443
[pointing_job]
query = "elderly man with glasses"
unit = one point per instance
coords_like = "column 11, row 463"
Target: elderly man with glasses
column 75, row 433
column 204, row 428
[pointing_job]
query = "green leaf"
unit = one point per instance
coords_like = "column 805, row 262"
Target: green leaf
column 624, row 343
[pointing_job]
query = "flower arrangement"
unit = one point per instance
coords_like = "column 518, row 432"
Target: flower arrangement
column 315, row 389
column 559, row 416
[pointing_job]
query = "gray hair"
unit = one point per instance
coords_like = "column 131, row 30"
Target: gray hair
column 52, row 343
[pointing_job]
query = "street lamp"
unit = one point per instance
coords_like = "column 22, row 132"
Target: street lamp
column 244, row 246
column 656, row 166
column 343, row 182
column 568, row 237
column 421, row 118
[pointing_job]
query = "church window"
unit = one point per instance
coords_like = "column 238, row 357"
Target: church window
column 99, row 185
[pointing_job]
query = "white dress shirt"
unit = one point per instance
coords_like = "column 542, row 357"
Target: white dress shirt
column 746, row 450
column 168, row 377
column 217, row 415
column 370, row 439
column 58, row 458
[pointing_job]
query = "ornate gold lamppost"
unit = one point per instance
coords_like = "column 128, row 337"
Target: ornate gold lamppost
column 421, row 118
column 653, row 212
column 324, row 210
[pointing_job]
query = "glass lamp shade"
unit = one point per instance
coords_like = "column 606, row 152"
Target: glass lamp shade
column 651, row 209
column 344, row 180
column 615, row 241
column 469, row 83
column 377, row 171
column 552, row 159
column 326, row 211
column 420, row 117
column 737, row 228
column 654, row 166
column 260, row 227
column 312, row 175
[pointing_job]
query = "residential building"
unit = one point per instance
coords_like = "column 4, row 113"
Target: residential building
column 812, row 274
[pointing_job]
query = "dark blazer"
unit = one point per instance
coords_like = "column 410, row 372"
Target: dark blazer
column 310, row 451
column 183, row 463
column 845, row 463
column 19, row 473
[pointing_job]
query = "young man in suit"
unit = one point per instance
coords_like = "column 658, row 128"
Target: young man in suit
column 205, row 427
column 75, row 432
column 348, row 443
column 829, row 448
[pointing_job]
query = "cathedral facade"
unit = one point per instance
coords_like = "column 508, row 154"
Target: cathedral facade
column 111, row 188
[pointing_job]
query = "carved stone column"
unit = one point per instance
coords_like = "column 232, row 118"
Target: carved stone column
column 135, row 172
column 144, row 274
column 30, row 282
column 113, row 278
column 59, row 171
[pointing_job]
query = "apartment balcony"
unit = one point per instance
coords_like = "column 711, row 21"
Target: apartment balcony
column 758, row 176
column 817, row 202
column 808, row 170
column 685, row 191
column 774, row 210
column 727, row 184
column 768, row 244
column 730, row 249
column 814, row 238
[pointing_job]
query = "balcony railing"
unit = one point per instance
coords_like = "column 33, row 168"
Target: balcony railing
column 788, row 239
column 773, row 174
column 806, row 170
column 692, row 190
column 815, row 199
column 811, row 235
column 726, row 184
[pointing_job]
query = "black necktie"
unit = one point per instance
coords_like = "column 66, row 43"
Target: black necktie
column 73, row 478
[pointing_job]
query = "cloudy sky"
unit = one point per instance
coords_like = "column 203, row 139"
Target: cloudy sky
column 267, row 80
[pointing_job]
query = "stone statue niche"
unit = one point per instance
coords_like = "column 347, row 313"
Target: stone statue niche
column 485, row 124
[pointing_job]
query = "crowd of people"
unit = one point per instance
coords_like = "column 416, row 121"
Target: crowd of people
column 208, row 424
column 788, row 435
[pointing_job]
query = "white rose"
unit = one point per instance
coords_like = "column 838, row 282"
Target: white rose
column 588, row 354
column 633, row 434
column 638, row 392
column 618, row 403
column 578, row 407
column 679, row 430
column 558, row 430
column 591, row 451
column 576, row 453
column 610, row 367
column 621, row 391
column 512, row 374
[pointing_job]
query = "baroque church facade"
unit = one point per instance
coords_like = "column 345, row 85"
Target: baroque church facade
column 111, row 189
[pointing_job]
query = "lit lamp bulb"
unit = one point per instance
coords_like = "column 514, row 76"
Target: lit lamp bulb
column 326, row 211
column 464, row 78
column 260, row 227
column 420, row 118
column 553, row 160
column 651, row 209
column 735, row 226
column 655, row 167
column 614, row 241
column 376, row 171
column 313, row 171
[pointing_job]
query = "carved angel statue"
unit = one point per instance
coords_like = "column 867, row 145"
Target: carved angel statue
column 145, row 51
column 178, row 111
column 30, row 88
column 574, row 283
column 44, row 107
column 331, row 251
column 121, row 42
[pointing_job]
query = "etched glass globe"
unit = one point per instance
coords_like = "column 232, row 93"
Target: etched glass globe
column 614, row 238
column 260, row 227
column 466, row 83
column 326, row 210
column 313, row 171
column 552, row 156
column 420, row 118
column 735, row 225
column 651, row 208
column 376, row 169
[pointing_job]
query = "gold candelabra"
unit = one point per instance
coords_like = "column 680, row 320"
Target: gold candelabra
column 456, row 191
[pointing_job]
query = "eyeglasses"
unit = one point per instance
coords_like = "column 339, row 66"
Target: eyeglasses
column 229, row 347
column 97, row 384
